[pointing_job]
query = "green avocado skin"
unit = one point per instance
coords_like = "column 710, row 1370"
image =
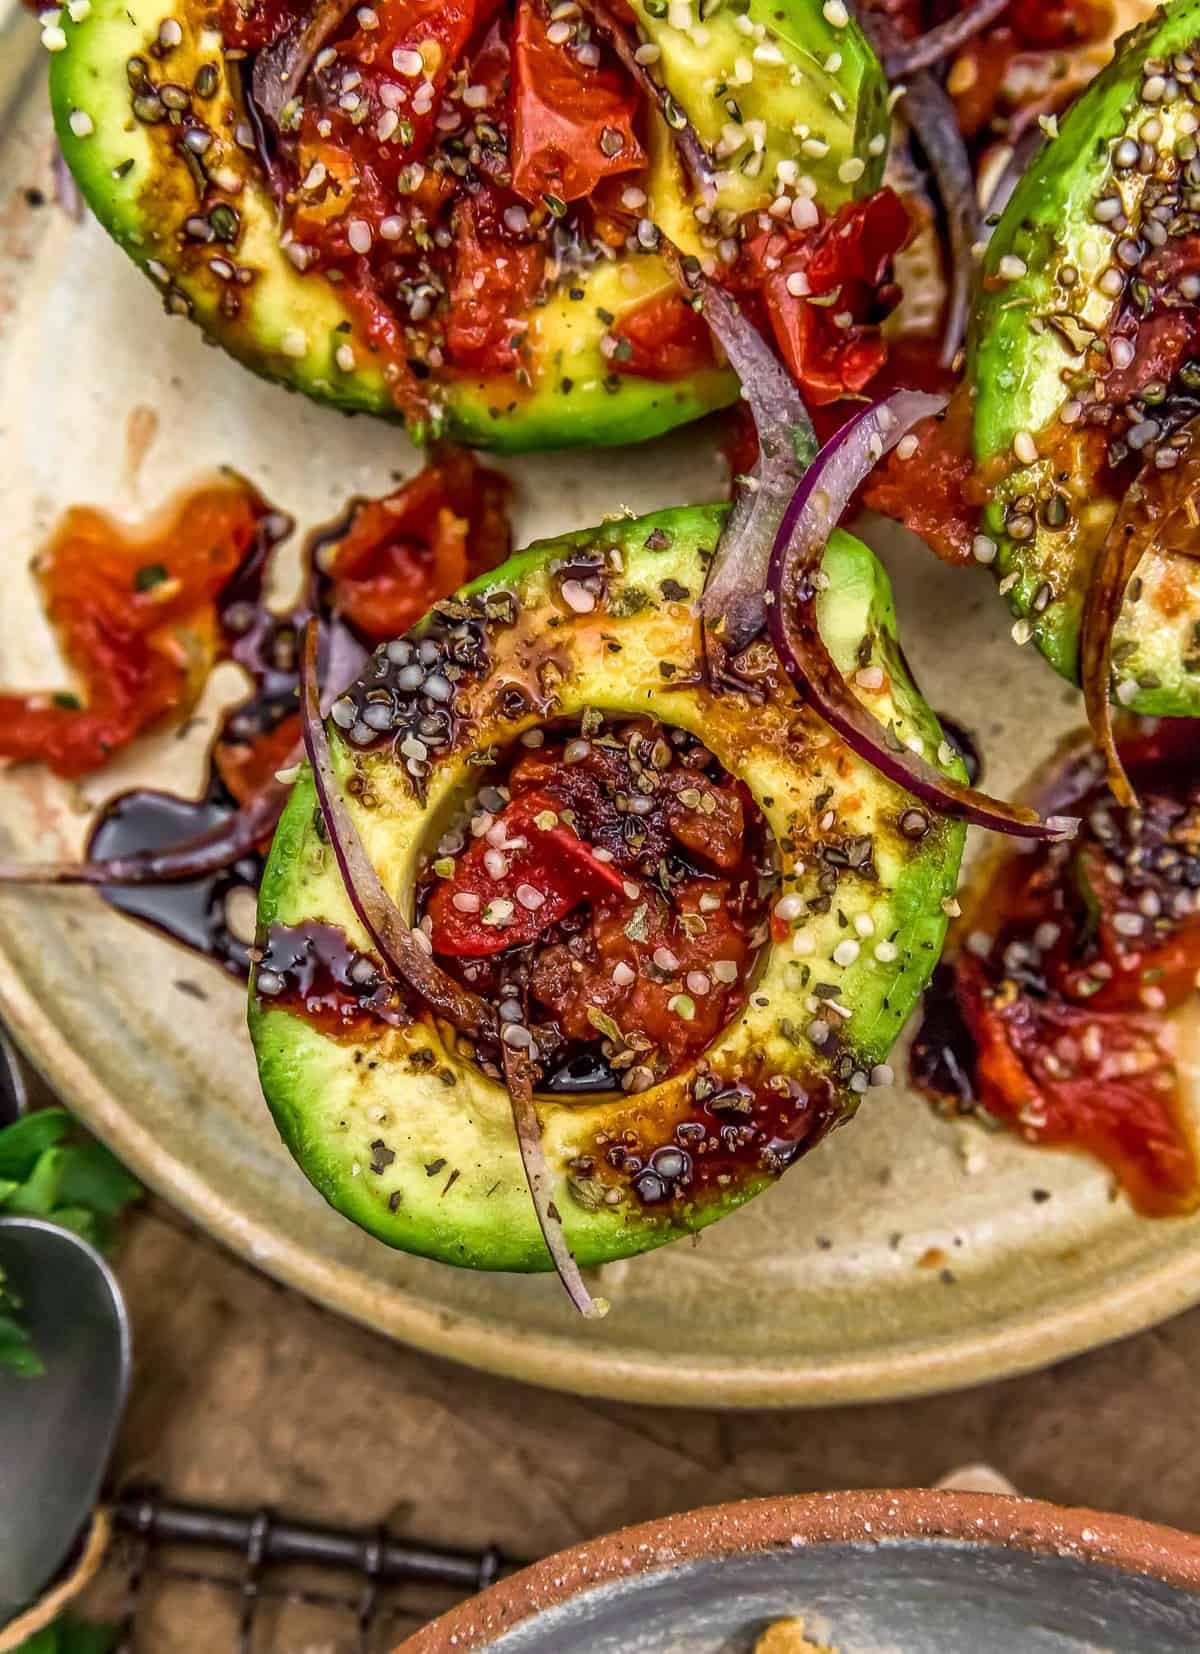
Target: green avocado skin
column 452, row 1187
column 300, row 330
column 1023, row 352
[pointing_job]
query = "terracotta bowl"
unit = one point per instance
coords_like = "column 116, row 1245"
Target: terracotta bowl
column 915, row 1572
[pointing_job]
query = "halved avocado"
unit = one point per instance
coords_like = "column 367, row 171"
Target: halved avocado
column 408, row 1138
column 1054, row 274
column 809, row 91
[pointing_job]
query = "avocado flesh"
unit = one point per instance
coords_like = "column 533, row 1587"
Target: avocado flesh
column 335, row 1099
column 1021, row 360
column 292, row 327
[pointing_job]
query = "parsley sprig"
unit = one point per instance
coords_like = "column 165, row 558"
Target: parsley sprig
column 47, row 1170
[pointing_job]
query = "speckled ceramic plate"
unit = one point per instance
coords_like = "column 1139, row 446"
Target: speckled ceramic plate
column 907, row 1254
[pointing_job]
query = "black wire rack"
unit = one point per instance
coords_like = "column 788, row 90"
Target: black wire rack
column 374, row 1588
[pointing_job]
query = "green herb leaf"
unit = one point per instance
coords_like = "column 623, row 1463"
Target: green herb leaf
column 17, row 1353
column 638, row 928
column 605, row 1024
column 79, row 1186
column 91, row 1177
column 804, row 444
column 23, row 1143
column 149, row 576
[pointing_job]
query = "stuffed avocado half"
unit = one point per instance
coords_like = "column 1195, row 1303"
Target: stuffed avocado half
column 744, row 913
column 1085, row 368
column 453, row 214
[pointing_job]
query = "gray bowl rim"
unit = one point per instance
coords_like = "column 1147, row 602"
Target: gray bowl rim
column 1032, row 1526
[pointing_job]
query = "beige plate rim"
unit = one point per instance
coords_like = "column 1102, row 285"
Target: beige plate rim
column 1037, row 1342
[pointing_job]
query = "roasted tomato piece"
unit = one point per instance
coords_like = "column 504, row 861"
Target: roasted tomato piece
column 585, row 778
column 1159, row 344
column 572, row 122
column 331, row 185
column 706, row 819
column 136, row 619
column 403, row 552
column 1017, row 69
column 1062, row 22
column 622, row 894
column 1051, row 1014
column 1068, row 1075
column 261, row 24
column 662, row 338
column 925, row 484
column 826, row 290
column 665, row 984
column 527, row 872
column 406, row 59
column 495, row 281
column 247, row 767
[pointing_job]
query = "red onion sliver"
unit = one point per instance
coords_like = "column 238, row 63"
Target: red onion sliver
column 344, row 660
column 197, row 858
column 733, row 598
column 928, row 112
column 940, row 42
column 816, row 507
column 281, row 70
column 927, row 109
column 408, row 959
column 518, row 1076
column 66, row 191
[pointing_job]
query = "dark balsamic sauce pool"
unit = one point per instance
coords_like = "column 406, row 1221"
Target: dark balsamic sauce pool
column 195, row 912
column 943, row 1054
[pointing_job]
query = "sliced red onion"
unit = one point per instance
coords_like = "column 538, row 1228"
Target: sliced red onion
column 941, row 42
column 690, row 145
column 733, row 603
column 344, row 659
column 409, row 961
column 518, row 1076
column 66, row 191
column 197, row 858
column 817, row 505
column 928, row 112
column 391, row 932
column 281, row 70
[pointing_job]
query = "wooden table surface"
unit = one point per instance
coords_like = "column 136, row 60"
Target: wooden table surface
column 247, row 1394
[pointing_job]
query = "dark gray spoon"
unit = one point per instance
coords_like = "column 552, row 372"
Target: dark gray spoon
column 56, row 1431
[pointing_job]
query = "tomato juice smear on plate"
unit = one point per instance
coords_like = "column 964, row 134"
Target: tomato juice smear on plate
column 1053, row 1014
column 610, row 895
column 143, row 613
